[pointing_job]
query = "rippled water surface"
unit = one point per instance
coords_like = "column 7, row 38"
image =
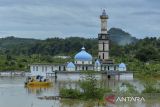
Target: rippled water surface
column 14, row 94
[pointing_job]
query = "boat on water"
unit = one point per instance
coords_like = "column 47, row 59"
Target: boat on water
column 37, row 81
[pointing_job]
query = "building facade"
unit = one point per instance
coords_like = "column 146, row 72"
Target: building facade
column 83, row 60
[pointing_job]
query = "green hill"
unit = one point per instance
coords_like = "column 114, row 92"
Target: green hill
column 10, row 42
column 54, row 46
column 121, row 37
column 117, row 36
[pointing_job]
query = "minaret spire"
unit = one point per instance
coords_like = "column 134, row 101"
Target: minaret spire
column 104, row 12
column 103, row 39
column 104, row 18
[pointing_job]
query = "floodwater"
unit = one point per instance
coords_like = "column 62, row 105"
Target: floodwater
column 14, row 94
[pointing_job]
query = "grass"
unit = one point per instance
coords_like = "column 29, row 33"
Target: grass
column 149, row 88
column 89, row 89
column 70, row 93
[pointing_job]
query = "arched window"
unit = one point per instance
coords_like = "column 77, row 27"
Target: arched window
column 64, row 68
column 82, row 67
column 103, row 55
column 42, row 68
column 86, row 67
column 45, row 68
column 59, row 68
column 52, row 68
column 36, row 68
column 103, row 46
column 33, row 68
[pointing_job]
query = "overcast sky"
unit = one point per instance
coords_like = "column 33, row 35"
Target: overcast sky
column 63, row 18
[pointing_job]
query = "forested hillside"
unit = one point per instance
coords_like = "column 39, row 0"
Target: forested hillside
column 17, row 53
column 54, row 46
column 121, row 37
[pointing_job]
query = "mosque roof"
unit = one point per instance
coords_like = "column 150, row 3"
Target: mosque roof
column 70, row 65
column 122, row 65
column 97, row 62
column 83, row 55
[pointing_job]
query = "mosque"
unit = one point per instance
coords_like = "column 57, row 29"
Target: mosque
column 83, row 60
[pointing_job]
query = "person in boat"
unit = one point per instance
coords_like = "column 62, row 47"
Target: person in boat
column 41, row 79
column 38, row 77
column 28, row 79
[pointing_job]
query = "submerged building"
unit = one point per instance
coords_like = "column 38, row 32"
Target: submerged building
column 83, row 60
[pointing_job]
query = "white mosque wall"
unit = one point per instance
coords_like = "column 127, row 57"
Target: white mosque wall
column 122, row 69
column 41, row 68
column 55, row 68
column 79, row 67
column 90, row 68
column 97, row 68
column 111, row 68
column 84, row 68
column 70, row 69
column 83, row 62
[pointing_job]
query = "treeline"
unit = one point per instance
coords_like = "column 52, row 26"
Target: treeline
column 58, row 46
column 145, row 50
column 52, row 46
column 21, row 53
column 142, row 57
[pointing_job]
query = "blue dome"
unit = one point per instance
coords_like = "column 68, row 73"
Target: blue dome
column 83, row 55
column 70, row 65
column 97, row 63
column 122, row 65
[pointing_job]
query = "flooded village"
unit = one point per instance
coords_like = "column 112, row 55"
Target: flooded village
column 87, row 73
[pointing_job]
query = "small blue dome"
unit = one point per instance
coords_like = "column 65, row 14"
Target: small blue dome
column 83, row 55
column 70, row 65
column 97, row 63
column 122, row 65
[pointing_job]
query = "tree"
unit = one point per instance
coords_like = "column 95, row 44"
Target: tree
column 147, row 53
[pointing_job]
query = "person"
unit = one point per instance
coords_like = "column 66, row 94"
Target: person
column 45, row 80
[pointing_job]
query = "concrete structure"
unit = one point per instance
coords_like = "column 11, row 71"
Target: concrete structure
column 83, row 60
column 103, row 39
column 97, row 66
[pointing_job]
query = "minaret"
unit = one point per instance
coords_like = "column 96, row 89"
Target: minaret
column 103, row 39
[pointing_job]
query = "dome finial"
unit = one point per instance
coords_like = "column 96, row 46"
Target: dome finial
column 83, row 48
column 104, row 12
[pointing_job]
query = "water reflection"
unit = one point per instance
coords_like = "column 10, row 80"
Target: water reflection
column 80, row 103
column 12, row 90
column 38, row 90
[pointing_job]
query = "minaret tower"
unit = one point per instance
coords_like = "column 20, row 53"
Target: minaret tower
column 103, row 39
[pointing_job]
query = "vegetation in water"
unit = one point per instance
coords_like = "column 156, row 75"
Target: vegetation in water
column 70, row 93
column 89, row 89
column 151, row 86
column 127, row 88
column 151, row 89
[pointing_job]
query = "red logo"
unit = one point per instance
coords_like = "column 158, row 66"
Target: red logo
column 110, row 99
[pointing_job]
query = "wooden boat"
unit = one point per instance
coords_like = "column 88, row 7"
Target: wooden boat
column 37, row 81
